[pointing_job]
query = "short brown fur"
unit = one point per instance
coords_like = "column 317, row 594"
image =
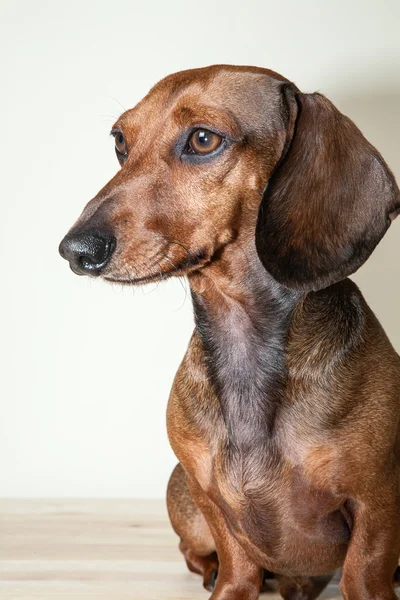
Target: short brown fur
column 284, row 413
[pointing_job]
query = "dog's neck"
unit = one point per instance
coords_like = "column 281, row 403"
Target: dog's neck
column 242, row 316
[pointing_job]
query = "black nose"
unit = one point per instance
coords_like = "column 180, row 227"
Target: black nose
column 87, row 253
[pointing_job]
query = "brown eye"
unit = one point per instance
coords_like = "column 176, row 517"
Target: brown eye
column 203, row 141
column 120, row 144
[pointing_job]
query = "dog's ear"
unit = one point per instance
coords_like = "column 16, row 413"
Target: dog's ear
column 329, row 201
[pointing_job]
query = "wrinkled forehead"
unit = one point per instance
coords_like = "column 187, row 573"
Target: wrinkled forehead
column 231, row 99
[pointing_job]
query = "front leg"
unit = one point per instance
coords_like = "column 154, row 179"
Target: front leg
column 374, row 549
column 239, row 578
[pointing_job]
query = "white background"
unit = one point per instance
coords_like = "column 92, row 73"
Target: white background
column 87, row 368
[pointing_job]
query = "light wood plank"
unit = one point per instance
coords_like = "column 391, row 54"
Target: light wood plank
column 94, row 549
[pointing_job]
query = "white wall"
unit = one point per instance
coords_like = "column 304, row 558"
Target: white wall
column 86, row 367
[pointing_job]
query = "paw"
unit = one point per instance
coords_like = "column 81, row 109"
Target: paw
column 236, row 592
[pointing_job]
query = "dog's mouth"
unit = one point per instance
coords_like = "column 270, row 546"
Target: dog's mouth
column 195, row 261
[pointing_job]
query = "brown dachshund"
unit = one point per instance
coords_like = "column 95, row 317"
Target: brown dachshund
column 284, row 413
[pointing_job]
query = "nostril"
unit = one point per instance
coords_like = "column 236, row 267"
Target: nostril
column 87, row 262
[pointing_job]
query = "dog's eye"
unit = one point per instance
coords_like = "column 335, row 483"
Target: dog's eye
column 120, row 144
column 203, row 141
column 121, row 149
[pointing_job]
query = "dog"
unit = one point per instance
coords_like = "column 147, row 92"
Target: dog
column 284, row 413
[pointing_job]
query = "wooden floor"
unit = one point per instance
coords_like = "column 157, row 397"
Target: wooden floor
column 97, row 549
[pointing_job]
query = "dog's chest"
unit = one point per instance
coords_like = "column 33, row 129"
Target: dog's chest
column 260, row 483
column 279, row 510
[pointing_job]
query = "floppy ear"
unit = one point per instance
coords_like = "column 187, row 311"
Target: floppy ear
column 329, row 201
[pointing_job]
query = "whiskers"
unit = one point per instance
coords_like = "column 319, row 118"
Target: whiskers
column 113, row 117
column 160, row 266
column 182, row 280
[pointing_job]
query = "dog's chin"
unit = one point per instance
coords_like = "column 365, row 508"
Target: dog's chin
column 195, row 262
column 137, row 280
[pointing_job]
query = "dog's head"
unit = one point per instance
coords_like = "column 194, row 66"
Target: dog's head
column 220, row 154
